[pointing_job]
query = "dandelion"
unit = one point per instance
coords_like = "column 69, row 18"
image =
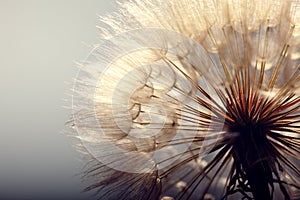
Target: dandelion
column 193, row 100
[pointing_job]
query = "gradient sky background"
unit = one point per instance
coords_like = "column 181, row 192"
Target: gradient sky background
column 39, row 42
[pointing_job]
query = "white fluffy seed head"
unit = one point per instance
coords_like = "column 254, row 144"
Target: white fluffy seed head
column 167, row 76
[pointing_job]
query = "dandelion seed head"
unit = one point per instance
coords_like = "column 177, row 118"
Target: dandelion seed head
column 193, row 100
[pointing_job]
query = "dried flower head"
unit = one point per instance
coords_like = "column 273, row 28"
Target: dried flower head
column 193, row 100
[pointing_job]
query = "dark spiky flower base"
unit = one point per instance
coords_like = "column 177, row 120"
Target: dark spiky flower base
column 256, row 120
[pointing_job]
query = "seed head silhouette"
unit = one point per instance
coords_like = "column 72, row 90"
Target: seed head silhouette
column 193, row 100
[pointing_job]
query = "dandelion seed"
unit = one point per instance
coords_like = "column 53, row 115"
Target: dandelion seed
column 193, row 100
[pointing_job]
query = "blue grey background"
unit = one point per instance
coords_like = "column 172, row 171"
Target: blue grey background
column 39, row 42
